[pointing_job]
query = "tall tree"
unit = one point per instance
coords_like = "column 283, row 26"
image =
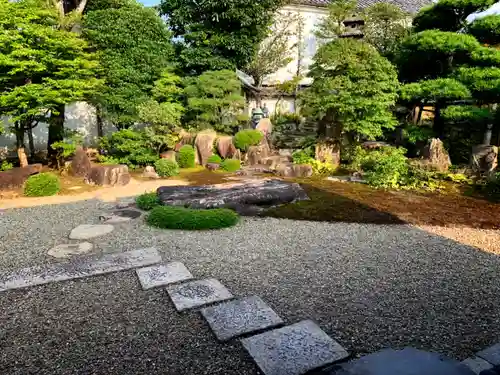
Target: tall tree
column 41, row 66
column 332, row 25
column 214, row 34
column 134, row 48
column 354, row 89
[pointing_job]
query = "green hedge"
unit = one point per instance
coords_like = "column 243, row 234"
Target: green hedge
column 214, row 159
column 186, row 157
column 42, row 185
column 168, row 217
column 246, row 138
column 166, row 168
column 230, row 165
column 147, row 201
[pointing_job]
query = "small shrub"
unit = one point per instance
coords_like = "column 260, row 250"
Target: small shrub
column 214, row 159
column 168, row 217
column 320, row 168
column 6, row 166
column 246, row 138
column 491, row 188
column 230, row 165
column 42, row 185
column 147, row 201
column 166, row 168
column 186, row 157
column 302, row 157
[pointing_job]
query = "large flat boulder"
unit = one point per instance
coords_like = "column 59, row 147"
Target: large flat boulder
column 239, row 196
column 15, row 177
column 108, row 175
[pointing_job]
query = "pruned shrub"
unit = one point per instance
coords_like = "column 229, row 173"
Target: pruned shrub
column 42, row 185
column 186, row 157
column 6, row 166
column 230, row 165
column 491, row 189
column 166, row 168
column 168, row 217
column 216, row 159
column 147, row 201
column 246, row 138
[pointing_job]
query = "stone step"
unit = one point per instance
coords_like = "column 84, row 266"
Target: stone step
column 163, row 274
column 198, row 293
column 294, row 349
column 235, row 318
column 78, row 268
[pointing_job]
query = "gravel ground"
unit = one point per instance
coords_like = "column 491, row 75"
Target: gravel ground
column 368, row 286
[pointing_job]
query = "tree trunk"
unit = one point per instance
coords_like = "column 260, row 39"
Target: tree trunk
column 100, row 131
column 21, row 154
column 329, row 140
column 56, row 130
column 438, row 122
column 31, row 142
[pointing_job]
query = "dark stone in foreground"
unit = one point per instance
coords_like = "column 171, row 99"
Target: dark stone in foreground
column 235, row 318
column 293, row 350
column 15, row 177
column 265, row 193
column 408, row 361
column 83, row 267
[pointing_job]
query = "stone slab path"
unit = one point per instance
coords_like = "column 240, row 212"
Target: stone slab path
column 78, row 269
column 163, row 274
column 198, row 293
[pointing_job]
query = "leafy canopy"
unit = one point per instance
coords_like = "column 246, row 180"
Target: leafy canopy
column 486, row 29
column 333, row 24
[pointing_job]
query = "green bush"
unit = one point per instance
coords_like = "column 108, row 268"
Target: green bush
column 230, row 165
column 214, row 159
column 302, row 157
column 6, row 166
column 147, row 201
column 42, row 185
column 168, row 217
column 166, row 168
column 491, row 189
column 186, row 157
column 246, row 138
column 319, row 168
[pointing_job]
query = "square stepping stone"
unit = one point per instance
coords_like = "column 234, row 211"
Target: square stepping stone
column 491, row 354
column 235, row 318
column 293, row 350
column 162, row 274
column 198, row 293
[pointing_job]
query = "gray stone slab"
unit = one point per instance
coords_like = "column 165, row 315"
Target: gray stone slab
column 162, row 274
column 198, row 293
column 87, row 231
column 235, row 318
column 78, row 268
column 477, row 364
column 408, row 361
column 491, row 354
column 293, row 350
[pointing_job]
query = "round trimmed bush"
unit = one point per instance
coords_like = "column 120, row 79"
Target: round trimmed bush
column 246, row 138
column 166, row 168
column 214, row 159
column 186, row 157
column 168, row 217
column 147, row 201
column 230, row 165
column 42, row 185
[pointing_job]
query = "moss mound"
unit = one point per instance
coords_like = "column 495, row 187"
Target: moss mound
column 42, row 185
column 168, row 217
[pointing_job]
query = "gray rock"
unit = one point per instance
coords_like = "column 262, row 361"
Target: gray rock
column 120, row 216
column 477, row 364
column 66, row 250
column 491, row 354
column 198, row 293
column 87, row 231
column 79, row 268
column 149, row 172
column 293, row 350
column 235, row 318
column 162, row 274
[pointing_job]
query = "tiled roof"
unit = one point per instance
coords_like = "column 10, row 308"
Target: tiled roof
column 411, row 6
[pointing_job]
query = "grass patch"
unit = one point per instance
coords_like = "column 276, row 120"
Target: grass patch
column 42, row 185
column 147, row 201
column 168, row 217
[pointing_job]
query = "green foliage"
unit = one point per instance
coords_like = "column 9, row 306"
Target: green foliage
column 215, row 35
column 417, row 133
column 354, row 88
column 68, row 145
column 128, row 146
column 214, row 100
column 333, row 25
column 6, row 166
column 42, row 66
column 186, row 157
column 486, row 29
column 216, row 159
column 491, row 188
column 147, row 201
column 167, row 217
column 484, row 83
column 230, row 165
column 135, row 48
column 246, row 138
column 302, row 157
column 449, row 15
column 435, row 90
column 166, row 168
column 318, row 167
column 42, row 185
column 466, row 114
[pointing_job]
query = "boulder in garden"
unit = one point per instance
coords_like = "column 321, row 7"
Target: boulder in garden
column 257, row 154
column 265, row 126
column 436, row 156
column 225, row 147
column 15, row 177
column 108, row 175
column 149, row 172
column 80, row 164
column 484, row 158
column 294, row 170
column 204, row 145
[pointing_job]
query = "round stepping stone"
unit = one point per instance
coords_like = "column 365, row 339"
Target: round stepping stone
column 68, row 249
column 86, row 231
